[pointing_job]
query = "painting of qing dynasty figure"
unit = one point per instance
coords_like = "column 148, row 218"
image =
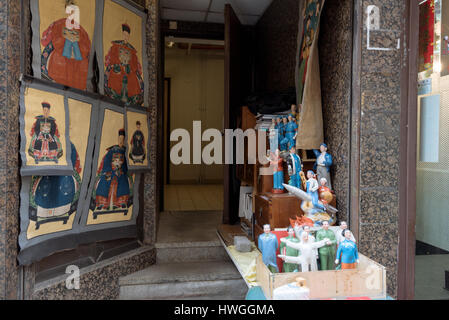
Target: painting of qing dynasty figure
column 44, row 133
column 67, row 30
column 53, row 200
column 112, row 195
column 45, row 142
column 122, row 45
column 137, row 140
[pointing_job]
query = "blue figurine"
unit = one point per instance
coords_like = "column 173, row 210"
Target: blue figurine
column 280, row 130
column 347, row 252
column 291, row 131
column 312, row 190
column 284, row 142
column 268, row 245
column 294, row 168
column 323, row 164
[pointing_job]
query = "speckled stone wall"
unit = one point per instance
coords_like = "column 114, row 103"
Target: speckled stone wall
column 276, row 37
column 101, row 282
column 380, row 84
column 335, row 48
column 10, row 15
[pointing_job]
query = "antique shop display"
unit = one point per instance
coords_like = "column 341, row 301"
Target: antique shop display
column 347, row 252
column 63, row 38
column 308, row 85
column 293, row 291
column 288, row 251
column 294, row 168
column 52, row 205
column 138, row 139
column 307, row 257
column 323, row 164
column 44, row 129
column 268, row 244
column 327, row 252
column 123, row 74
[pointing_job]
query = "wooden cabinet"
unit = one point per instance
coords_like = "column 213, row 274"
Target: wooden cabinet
column 276, row 209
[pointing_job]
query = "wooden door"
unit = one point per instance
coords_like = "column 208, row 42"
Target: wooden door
column 233, row 96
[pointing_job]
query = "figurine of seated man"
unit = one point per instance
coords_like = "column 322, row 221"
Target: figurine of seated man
column 307, row 248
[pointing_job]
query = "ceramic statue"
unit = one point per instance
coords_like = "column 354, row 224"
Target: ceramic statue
column 324, row 193
column 294, row 168
column 338, row 234
column 347, row 252
column 268, row 244
column 276, row 163
column 288, row 251
column 291, row 131
column 327, row 252
column 307, row 258
column 323, row 164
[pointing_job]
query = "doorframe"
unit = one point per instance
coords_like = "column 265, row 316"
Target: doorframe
column 408, row 152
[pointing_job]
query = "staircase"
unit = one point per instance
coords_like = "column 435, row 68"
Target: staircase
column 186, row 271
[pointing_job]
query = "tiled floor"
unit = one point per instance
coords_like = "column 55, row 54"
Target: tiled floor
column 193, row 197
column 179, row 227
column 429, row 277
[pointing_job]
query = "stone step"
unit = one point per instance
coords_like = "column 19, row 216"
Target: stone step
column 191, row 251
column 215, row 280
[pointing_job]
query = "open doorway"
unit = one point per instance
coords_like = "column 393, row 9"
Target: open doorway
column 194, row 91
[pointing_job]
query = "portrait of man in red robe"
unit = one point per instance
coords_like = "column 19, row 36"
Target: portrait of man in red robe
column 65, row 57
column 123, row 75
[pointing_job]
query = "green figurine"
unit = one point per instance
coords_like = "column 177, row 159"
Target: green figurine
column 289, row 251
column 327, row 252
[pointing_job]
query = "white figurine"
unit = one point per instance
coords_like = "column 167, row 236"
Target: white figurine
column 338, row 232
column 307, row 248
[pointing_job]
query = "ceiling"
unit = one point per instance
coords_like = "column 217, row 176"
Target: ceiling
column 248, row 11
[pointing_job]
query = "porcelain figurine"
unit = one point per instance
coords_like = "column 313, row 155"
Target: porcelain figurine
column 273, row 135
column 284, row 141
column 291, row 131
column 280, row 128
column 306, row 228
column 327, row 252
column 338, row 234
column 347, row 252
column 288, row 251
column 278, row 172
column 268, row 244
column 312, row 190
column 324, row 193
column 294, row 168
column 323, row 164
column 307, row 248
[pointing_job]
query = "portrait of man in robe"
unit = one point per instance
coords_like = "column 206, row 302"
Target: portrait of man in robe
column 45, row 145
column 137, row 153
column 113, row 185
column 123, row 79
column 66, row 49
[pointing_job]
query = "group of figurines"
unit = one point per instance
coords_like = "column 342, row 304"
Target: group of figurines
column 316, row 189
column 300, row 250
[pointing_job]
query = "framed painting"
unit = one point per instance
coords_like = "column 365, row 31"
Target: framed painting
column 51, row 206
column 44, row 130
column 137, row 126
column 63, row 39
column 112, row 203
column 121, row 53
